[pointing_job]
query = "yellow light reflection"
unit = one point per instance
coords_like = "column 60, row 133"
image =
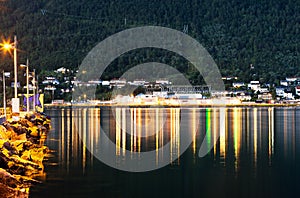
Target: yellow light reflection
column 97, row 128
column 118, row 131
column 237, row 135
column 84, row 131
column 293, row 132
column 135, row 129
column 132, row 130
column 178, row 133
column 62, row 138
column 208, row 127
column 174, row 135
column 157, row 134
column 75, row 126
column 223, row 130
column 68, row 140
column 171, row 134
column 161, row 132
column 271, row 133
column 123, row 131
column 215, row 131
column 255, row 136
column 90, row 130
column 146, row 121
column 285, row 129
column 139, row 115
column 194, row 130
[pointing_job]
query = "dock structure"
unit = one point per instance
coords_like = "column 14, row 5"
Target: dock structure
column 180, row 89
column 184, row 89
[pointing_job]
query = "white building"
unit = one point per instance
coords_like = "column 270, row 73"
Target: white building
column 284, row 83
column 117, row 83
column 163, row 82
column 297, row 88
column 238, row 84
column 146, row 98
column 50, row 80
column 62, row 70
column 280, row 91
column 254, row 85
column 138, row 82
column 288, row 95
column 263, row 90
column 97, row 82
column 291, row 79
column 265, row 96
column 160, row 94
column 105, row 83
column 188, row 96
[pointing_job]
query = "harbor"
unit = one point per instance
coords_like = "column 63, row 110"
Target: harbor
column 150, row 99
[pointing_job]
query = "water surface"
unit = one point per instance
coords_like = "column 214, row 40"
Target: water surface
column 257, row 153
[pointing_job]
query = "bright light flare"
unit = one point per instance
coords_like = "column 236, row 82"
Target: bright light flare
column 6, row 46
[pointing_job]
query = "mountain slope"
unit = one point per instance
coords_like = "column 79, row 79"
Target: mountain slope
column 237, row 33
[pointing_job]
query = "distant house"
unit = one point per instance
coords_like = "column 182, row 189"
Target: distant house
column 265, row 96
column 284, row 83
column 288, row 95
column 280, row 91
column 263, row 90
column 238, row 84
column 138, row 82
column 105, row 83
column 163, row 82
column 244, row 96
column 254, row 85
column 117, row 83
column 96, row 82
column 50, row 80
column 50, row 88
column 291, row 79
column 62, row 70
column 297, row 90
column 229, row 78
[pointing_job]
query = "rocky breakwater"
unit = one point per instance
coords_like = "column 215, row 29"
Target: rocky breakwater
column 22, row 152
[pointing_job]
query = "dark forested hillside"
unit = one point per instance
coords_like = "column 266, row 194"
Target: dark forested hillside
column 237, row 33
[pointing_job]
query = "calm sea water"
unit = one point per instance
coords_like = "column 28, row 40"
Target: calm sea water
column 257, row 152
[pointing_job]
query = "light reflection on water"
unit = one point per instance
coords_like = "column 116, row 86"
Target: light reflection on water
column 252, row 141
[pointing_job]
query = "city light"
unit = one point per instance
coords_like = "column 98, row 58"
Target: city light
column 6, row 46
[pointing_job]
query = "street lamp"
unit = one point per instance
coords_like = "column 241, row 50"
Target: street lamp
column 4, row 94
column 7, row 47
column 34, row 87
column 27, row 84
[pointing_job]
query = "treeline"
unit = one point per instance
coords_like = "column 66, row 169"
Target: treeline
column 237, row 33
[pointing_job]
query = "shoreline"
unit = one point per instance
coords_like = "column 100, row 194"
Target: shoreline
column 49, row 106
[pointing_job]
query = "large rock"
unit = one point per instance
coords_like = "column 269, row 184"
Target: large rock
column 22, row 153
column 4, row 135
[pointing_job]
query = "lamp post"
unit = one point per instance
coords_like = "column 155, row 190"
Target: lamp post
column 15, row 66
column 4, row 95
column 34, row 86
column 27, row 85
column 15, row 101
